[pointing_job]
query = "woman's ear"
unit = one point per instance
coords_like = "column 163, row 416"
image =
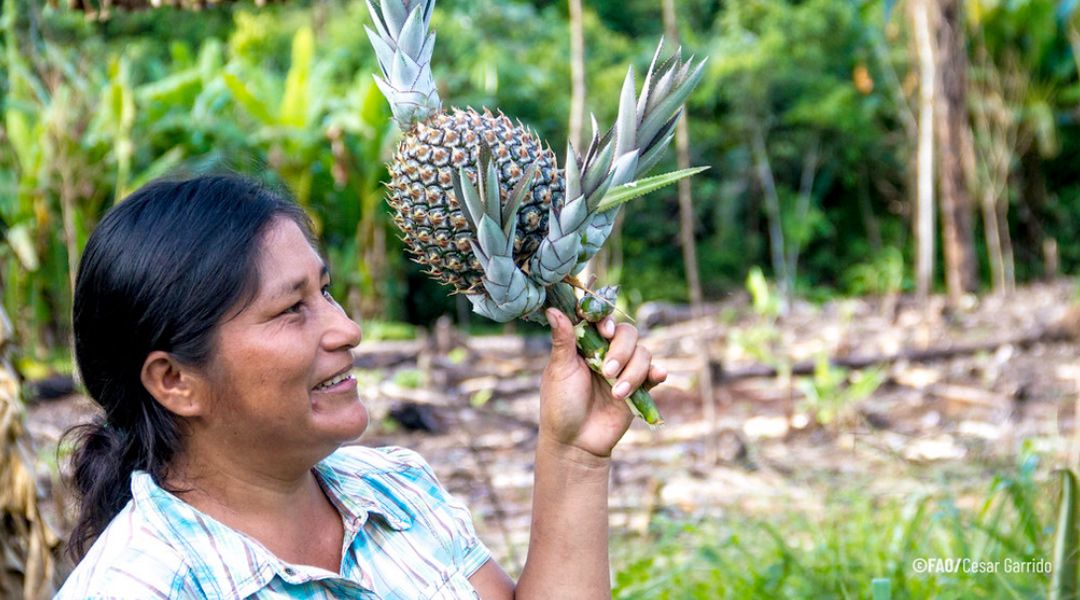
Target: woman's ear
column 174, row 385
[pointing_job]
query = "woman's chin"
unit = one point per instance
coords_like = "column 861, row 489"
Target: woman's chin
column 344, row 421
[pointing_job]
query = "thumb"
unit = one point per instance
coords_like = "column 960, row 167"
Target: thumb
column 563, row 339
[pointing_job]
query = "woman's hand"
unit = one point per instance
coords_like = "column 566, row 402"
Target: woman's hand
column 578, row 409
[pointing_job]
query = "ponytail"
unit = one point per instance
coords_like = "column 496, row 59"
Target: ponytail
column 105, row 457
column 101, row 465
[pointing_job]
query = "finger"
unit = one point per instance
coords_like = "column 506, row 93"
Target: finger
column 621, row 349
column 634, row 374
column 657, row 375
column 563, row 340
column 606, row 327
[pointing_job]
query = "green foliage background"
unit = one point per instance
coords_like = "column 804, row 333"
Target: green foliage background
column 92, row 109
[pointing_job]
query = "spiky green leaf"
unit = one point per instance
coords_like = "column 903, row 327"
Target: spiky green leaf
column 517, row 196
column 626, row 123
column 626, row 192
column 667, row 106
column 411, row 40
column 393, row 12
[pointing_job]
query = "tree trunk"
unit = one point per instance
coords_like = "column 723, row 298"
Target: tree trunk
column 924, row 209
column 689, row 250
column 577, row 75
column 991, row 229
column 998, row 93
column 597, row 266
column 1008, row 258
column 986, row 93
column 950, row 108
column 772, row 211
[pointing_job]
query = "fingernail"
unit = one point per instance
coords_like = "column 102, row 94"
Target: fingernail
column 621, row 389
column 611, row 368
column 552, row 318
column 609, row 326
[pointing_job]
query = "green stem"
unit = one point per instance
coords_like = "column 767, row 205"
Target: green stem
column 592, row 346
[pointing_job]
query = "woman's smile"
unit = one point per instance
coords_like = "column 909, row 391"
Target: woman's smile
column 336, row 378
column 341, row 383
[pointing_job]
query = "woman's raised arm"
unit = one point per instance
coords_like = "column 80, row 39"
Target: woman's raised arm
column 581, row 420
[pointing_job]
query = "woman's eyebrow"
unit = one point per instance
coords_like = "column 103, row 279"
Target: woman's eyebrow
column 295, row 286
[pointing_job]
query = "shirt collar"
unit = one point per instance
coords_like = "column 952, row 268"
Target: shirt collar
column 238, row 563
column 356, row 496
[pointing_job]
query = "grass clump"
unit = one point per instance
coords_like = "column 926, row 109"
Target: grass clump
column 859, row 546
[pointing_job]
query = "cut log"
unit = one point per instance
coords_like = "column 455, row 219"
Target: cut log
column 382, row 355
column 1057, row 333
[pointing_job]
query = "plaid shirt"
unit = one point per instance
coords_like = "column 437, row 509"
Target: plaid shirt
column 420, row 544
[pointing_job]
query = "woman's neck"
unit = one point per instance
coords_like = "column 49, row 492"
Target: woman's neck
column 285, row 510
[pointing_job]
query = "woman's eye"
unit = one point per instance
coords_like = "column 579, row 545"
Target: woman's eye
column 295, row 308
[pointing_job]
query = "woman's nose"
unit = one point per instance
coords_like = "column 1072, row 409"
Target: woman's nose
column 341, row 330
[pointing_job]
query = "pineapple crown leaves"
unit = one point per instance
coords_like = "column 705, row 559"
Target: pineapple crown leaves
column 510, row 292
column 645, row 125
column 559, row 250
column 403, row 48
column 665, row 90
column 493, row 222
column 634, row 144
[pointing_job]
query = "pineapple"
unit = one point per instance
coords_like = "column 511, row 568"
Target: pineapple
column 426, row 209
column 481, row 201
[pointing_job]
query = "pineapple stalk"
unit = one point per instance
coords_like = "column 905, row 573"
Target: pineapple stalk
column 593, row 347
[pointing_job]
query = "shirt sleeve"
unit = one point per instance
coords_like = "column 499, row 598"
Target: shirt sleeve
column 468, row 550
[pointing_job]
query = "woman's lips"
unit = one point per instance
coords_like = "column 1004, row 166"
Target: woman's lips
column 347, row 384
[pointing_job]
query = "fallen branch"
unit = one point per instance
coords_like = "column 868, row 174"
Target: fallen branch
column 1051, row 334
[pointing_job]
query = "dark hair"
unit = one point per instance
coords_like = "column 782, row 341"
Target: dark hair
column 160, row 272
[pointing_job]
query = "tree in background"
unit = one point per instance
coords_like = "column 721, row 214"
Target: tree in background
column 1023, row 99
column 997, row 92
column 796, row 123
column 577, row 74
column 954, row 144
column 921, row 19
column 688, row 242
column 807, row 116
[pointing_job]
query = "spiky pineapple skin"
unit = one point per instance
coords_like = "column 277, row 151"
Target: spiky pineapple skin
column 428, row 213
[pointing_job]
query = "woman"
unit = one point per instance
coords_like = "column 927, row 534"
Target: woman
column 205, row 329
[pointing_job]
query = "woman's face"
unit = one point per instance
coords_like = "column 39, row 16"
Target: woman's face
column 273, row 360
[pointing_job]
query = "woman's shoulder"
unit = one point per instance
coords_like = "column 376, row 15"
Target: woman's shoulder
column 129, row 560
